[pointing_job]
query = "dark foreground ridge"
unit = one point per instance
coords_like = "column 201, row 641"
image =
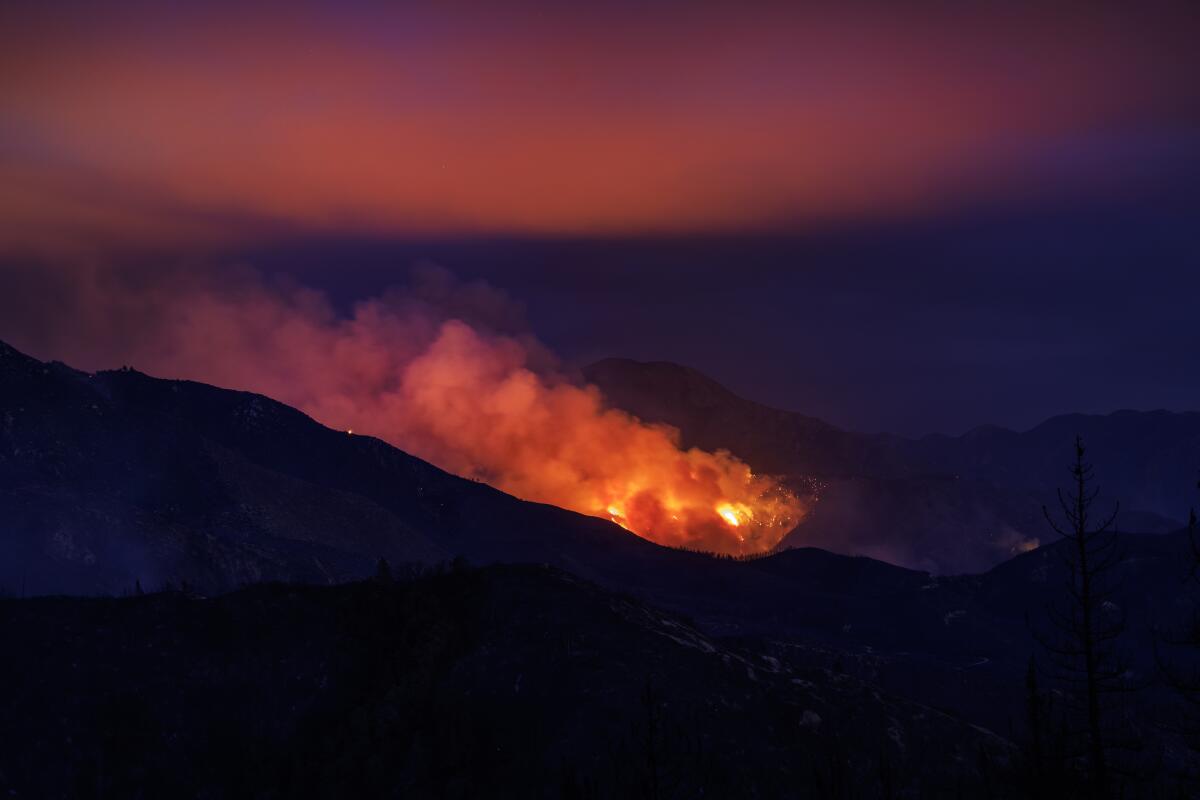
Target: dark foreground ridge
column 498, row 682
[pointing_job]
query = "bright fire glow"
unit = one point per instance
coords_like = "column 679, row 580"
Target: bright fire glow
column 445, row 386
column 709, row 501
column 728, row 513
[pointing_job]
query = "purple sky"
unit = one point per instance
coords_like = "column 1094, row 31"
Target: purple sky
column 915, row 221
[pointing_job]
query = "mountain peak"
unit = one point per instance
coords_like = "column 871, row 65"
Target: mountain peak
column 683, row 382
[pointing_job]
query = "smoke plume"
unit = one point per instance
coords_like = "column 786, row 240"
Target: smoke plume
column 442, row 369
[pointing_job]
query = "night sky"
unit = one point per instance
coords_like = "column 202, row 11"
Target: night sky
column 916, row 221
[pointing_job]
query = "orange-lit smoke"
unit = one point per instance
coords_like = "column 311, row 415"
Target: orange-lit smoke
column 440, row 371
column 472, row 405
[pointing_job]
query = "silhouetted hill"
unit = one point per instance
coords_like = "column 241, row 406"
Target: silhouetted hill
column 503, row 682
column 524, row 681
column 941, row 503
column 963, row 642
column 1148, row 459
column 116, row 477
column 711, row 417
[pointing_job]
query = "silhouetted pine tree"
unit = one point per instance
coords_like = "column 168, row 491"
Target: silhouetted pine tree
column 1082, row 649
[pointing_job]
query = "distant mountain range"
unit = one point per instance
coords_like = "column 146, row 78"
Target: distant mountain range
column 114, row 478
column 940, row 503
column 117, row 482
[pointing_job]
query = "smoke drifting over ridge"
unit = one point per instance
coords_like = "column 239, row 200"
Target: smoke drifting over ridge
column 442, row 369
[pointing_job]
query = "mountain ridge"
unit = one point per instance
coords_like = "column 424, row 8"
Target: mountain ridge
column 940, row 503
column 599, row 367
column 116, row 479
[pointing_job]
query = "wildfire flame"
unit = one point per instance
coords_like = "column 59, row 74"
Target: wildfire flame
column 474, row 407
column 730, row 514
column 426, row 370
column 726, row 527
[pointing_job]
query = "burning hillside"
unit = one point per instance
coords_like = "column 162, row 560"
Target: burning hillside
column 441, row 371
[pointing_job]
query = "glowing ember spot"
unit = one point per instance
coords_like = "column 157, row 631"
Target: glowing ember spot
column 616, row 516
column 729, row 515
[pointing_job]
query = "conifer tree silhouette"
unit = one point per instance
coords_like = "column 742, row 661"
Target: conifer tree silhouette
column 1082, row 648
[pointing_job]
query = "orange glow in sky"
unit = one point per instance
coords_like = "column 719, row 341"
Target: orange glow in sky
column 151, row 126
